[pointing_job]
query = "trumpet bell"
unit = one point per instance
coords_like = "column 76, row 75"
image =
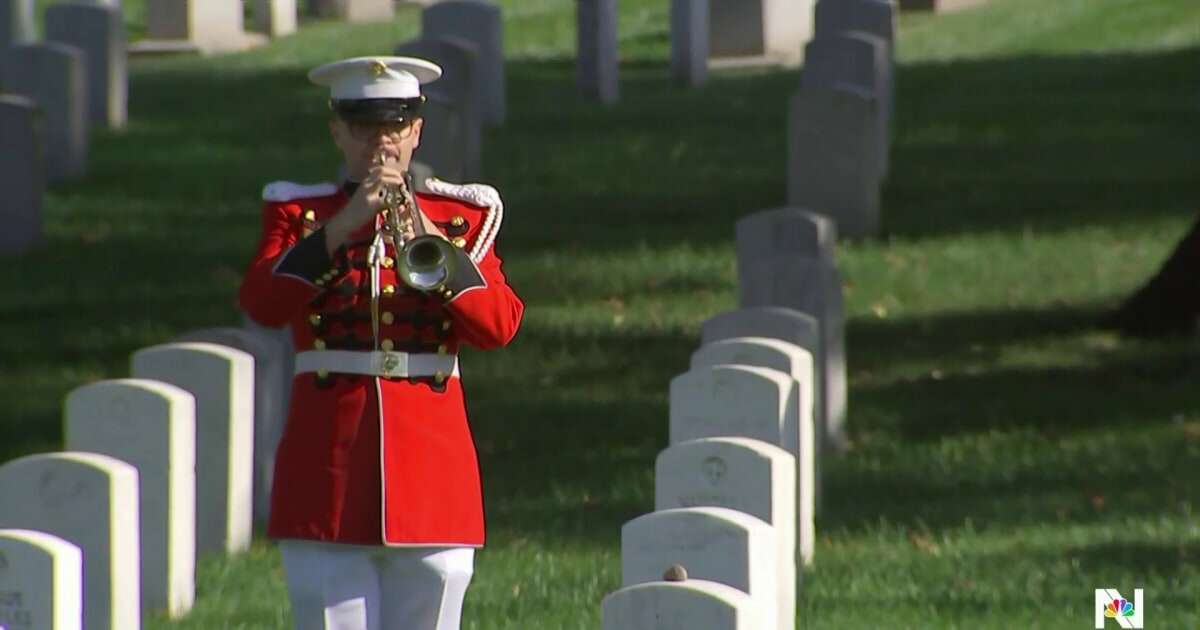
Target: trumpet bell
column 427, row 263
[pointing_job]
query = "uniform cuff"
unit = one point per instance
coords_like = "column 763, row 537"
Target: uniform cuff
column 309, row 261
column 466, row 276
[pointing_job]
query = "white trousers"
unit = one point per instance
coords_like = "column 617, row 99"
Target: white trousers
column 354, row 587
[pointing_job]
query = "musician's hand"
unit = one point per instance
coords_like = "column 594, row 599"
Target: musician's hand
column 379, row 179
column 361, row 211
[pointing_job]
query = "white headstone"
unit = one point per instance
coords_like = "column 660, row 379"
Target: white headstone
column 860, row 59
column 208, row 25
column 792, row 231
column 275, row 18
column 282, row 339
column 272, row 378
column 775, row 322
column 22, row 175
column 832, row 163
column 452, row 134
column 597, row 64
column 877, row 17
column 790, row 359
column 222, row 380
column 715, row 544
column 90, row 501
column 480, row 23
column 791, row 326
column 54, row 76
column 355, row 10
column 152, row 426
column 939, row 6
column 16, row 22
column 99, row 31
column 744, row 475
column 689, row 41
column 773, row 29
column 734, row 401
column 41, row 582
column 785, row 257
column 686, row 605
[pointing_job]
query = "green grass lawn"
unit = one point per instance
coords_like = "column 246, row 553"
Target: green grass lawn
column 1008, row 457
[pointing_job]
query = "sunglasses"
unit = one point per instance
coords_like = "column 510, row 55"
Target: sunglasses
column 364, row 131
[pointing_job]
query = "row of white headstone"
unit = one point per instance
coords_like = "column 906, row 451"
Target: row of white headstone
column 53, row 94
column 839, row 119
column 704, row 34
column 736, row 492
column 465, row 38
column 840, row 116
column 212, row 26
column 158, row 468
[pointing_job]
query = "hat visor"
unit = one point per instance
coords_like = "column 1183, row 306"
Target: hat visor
column 380, row 110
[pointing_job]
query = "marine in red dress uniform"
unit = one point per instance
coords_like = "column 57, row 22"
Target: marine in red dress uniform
column 377, row 451
column 378, row 460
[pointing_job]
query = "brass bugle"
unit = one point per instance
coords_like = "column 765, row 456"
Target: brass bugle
column 426, row 261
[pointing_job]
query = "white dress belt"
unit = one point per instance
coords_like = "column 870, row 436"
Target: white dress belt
column 377, row 363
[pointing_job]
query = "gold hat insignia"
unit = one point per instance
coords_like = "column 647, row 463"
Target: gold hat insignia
column 378, row 68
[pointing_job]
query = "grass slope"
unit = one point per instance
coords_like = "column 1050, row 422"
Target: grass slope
column 1008, row 458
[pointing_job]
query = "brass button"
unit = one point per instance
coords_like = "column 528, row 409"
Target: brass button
column 388, row 289
column 457, row 221
column 387, row 345
column 310, row 215
column 446, row 293
column 439, row 377
column 387, row 262
column 322, row 373
column 446, row 325
column 319, row 344
column 315, row 319
column 442, row 349
column 459, row 242
column 319, row 282
column 387, row 317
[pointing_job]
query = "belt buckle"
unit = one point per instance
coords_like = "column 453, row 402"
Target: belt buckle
column 393, row 364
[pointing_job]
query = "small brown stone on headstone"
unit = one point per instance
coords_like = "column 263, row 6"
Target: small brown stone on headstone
column 676, row 574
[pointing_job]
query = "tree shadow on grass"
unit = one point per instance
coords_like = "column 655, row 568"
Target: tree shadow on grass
column 971, row 390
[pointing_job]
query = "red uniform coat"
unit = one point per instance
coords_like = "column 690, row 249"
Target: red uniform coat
column 377, row 460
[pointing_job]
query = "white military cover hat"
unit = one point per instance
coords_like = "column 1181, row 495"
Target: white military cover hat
column 375, row 77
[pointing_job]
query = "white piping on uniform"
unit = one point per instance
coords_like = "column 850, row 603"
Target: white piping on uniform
column 382, row 465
